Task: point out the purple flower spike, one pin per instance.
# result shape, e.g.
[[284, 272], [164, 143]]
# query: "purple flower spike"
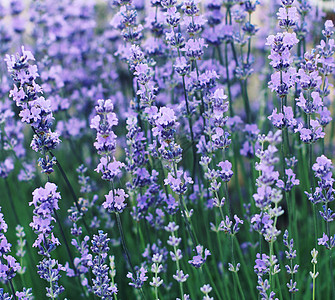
[[141, 277], [102, 287], [49, 270], [35, 109], [115, 201], [45, 201], [199, 259], [226, 173], [8, 264], [179, 183]]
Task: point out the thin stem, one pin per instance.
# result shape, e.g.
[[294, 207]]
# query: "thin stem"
[[231, 110], [178, 269], [124, 246], [279, 285], [202, 106], [310, 155], [185, 215], [271, 267], [330, 265], [236, 170], [245, 266], [12, 288], [245, 96], [271, 251], [65, 241], [156, 289], [71, 190], [233, 260], [315, 226], [11, 201], [239, 286], [332, 134], [189, 117], [123, 242], [114, 294], [212, 282], [229, 200], [314, 281], [249, 43], [292, 278]]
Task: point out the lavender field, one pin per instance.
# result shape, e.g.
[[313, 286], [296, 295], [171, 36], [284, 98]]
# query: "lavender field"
[[167, 149]]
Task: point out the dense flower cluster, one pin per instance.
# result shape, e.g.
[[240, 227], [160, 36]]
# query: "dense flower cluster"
[[45, 201], [324, 194], [267, 199], [35, 109], [217, 120], [101, 283], [106, 145], [8, 264]]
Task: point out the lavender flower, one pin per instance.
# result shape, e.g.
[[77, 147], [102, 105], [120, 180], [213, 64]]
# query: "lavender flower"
[[179, 182], [199, 259], [101, 283], [115, 201], [285, 119], [226, 172], [206, 289], [227, 225], [311, 135], [170, 72], [8, 264], [194, 48], [45, 201], [103, 123], [84, 262], [290, 181], [35, 109], [290, 255], [21, 244], [324, 193], [140, 278], [6, 167], [49, 270], [156, 268], [180, 276]]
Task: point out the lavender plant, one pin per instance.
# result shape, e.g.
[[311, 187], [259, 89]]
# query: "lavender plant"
[[214, 146]]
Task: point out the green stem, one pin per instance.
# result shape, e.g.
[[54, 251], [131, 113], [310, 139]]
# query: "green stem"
[[245, 97], [202, 104], [234, 264], [239, 286], [245, 266], [125, 249], [178, 269], [279, 288], [123, 241], [231, 110], [212, 282], [189, 117], [186, 218], [330, 266], [10, 198], [12, 288], [68, 249], [314, 281], [73, 194]]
